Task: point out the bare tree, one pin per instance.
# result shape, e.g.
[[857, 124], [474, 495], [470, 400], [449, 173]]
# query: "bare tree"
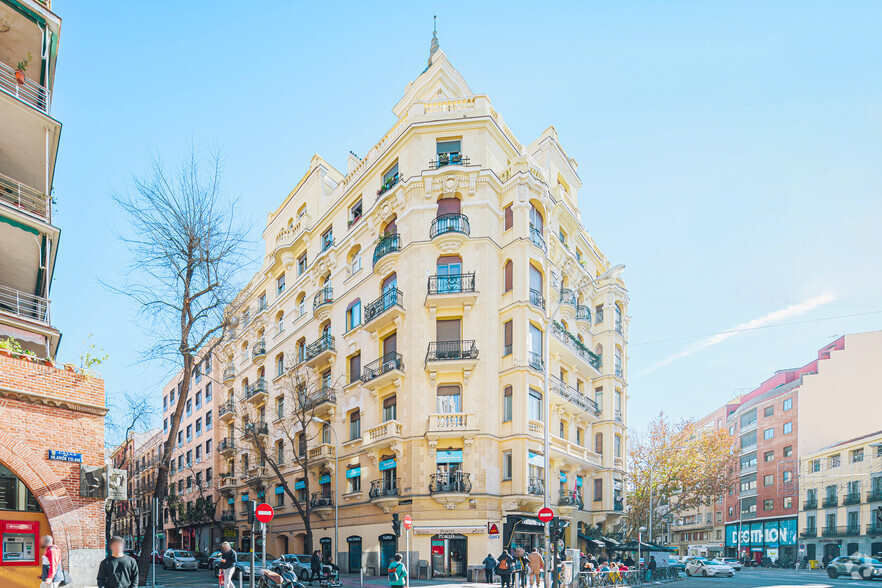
[[186, 251], [298, 424]]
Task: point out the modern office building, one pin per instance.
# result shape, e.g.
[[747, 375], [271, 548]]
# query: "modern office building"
[[190, 513], [39, 474], [418, 284]]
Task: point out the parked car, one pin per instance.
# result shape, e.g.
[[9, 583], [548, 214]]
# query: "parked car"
[[215, 555], [676, 564], [179, 559], [866, 568], [243, 564], [701, 566], [200, 557], [730, 561], [157, 557]]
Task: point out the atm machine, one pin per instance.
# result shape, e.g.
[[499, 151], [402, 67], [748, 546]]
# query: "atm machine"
[[18, 543]]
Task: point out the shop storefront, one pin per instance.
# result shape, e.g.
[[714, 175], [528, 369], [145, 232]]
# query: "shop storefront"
[[775, 540], [388, 549], [449, 555], [353, 543], [522, 531]]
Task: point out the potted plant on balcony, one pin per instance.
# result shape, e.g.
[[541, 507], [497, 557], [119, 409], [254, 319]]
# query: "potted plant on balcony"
[[20, 69]]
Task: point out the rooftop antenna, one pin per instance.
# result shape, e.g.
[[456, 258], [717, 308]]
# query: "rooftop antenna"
[[434, 46]]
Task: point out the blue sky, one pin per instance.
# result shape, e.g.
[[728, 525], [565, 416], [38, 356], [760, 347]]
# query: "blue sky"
[[729, 152]]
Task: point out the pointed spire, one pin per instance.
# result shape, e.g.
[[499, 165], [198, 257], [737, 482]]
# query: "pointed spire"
[[434, 46]]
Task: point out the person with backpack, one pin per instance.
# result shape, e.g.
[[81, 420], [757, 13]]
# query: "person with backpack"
[[489, 566], [503, 568], [397, 571]]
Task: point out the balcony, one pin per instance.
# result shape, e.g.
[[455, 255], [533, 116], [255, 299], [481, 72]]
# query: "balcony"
[[384, 311], [226, 446], [535, 361], [228, 516], [747, 492], [445, 159], [537, 299], [453, 290], [583, 313], [747, 469], [570, 451], [388, 185], [450, 489], [321, 303], [450, 357], [809, 532], [323, 396], [569, 501], [747, 427], [572, 397], [577, 350], [384, 488], [536, 238], [830, 501], [30, 92], [851, 498], [810, 505], [450, 425], [24, 305], [259, 429], [321, 503], [256, 392], [450, 231], [536, 486], [229, 374], [25, 199], [225, 411], [258, 350], [383, 371], [386, 254], [227, 481], [874, 529], [383, 434], [320, 351], [321, 455], [847, 531], [874, 495], [535, 428]]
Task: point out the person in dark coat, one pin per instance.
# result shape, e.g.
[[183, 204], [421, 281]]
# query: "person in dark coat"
[[504, 564], [315, 567], [489, 566], [118, 570]]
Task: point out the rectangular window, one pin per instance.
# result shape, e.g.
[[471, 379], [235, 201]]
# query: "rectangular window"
[[788, 428], [199, 400], [328, 239], [857, 456], [261, 302], [189, 410], [208, 421], [355, 213], [353, 479], [207, 448], [280, 364], [508, 215], [353, 316], [355, 368], [788, 451], [208, 392], [301, 264], [507, 337], [354, 425], [198, 426], [768, 480], [788, 404], [506, 465], [280, 407], [280, 496], [390, 408], [769, 456], [768, 411], [507, 404], [768, 433], [535, 406], [355, 265], [280, 284], [834, 461], [598, 490]]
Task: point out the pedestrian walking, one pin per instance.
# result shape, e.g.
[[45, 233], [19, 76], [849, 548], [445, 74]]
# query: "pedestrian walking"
[[118, 570], [227, 564], [536, 564], [504, 568], [489, 566], [315, 567], [524, 562], [52, 576], [397, 571]]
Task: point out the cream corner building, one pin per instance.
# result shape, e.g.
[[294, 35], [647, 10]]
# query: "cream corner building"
[[418, 284]]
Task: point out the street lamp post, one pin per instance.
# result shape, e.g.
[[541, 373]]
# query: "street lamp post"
[[612, 272], [336, 485]]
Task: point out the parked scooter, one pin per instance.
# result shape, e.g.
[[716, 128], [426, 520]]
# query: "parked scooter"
[[284, 578], [330, 578]]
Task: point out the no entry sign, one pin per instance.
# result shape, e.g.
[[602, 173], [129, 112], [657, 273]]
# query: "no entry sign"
[[408, 521], [546, 514], [264, 513]]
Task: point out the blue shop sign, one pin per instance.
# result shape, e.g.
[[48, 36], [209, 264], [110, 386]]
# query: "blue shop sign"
[[326, 479], [299, 485], [353, 472], [387, 464], [449, 456], [280, 490], [579, 481], [244, 498], [67, 456], [563, 477]]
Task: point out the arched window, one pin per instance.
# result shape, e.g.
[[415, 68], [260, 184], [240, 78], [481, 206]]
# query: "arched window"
[[598, 443], [618, 361], [449, 206], [507, 404], [16, 496], [354, 260], [280, 364], [508, 276], [449, 398], [280, 321], [301, 304], [391, 227], [618, 446]]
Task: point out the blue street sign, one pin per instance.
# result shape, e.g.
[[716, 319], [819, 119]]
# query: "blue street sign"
[[65, 456]]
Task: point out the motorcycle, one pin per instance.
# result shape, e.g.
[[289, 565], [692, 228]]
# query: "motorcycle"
[[283, 578]]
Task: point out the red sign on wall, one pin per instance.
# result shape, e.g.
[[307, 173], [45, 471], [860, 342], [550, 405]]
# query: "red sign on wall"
[[18, 543]]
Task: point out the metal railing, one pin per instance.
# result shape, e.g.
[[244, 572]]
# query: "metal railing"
[[324, 394], [228, 516], [390, 361], [874, 529], [258, 387], [257, 429], [24, 305], [536, 486], [226, 444], [570, 499], [325, 343], [537, 299], [574, 396], [388, 299], [384, 487], [830, 501], [322, 297], [874, 495], [321, 500], [451, 350], [387, 245], [452, 283], [25, 198], [534, 360], [30, 92], [225, 407], [390, 183], [450, 223], [841, 531], [536, 238], [229, 373], [455, 482], [851, 498], [445, 159], [583, 313], [809, 532], [573, 343], [810, 505], [567, 296], [258, 349]]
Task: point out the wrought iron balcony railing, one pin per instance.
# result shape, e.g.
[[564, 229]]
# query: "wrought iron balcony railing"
[[583, 313], [570, 499], [445, 159], [322, 297], [567, 296], [387, 245], [389, 298], [324, 394], [325, 343], [810, 505], [537, 299], [390, 361], [226, 444], [452, 283], [536, 237], [384, 487], [809, 532], [572, 342], [258, 387], [321, 500], [225, 407], [851, 498], [874, 495], [534, 360], [830, 501], [536, 486], [451, 350], [258, 349], [456, 482], [449, 223]]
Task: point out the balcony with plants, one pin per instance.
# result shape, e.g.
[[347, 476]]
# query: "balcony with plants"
[[576, 351], [22, 198]]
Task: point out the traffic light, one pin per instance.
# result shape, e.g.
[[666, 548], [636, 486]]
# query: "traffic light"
[[252, 506], [396, 524], [557, 528]]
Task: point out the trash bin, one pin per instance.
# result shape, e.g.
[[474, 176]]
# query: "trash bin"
[[813, 564], [423, 570], [371, 571]]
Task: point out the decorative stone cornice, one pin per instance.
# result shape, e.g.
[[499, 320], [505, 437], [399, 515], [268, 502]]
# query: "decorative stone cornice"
[[53, 401]]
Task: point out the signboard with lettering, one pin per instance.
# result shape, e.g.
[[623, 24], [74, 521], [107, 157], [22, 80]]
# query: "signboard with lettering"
[[68, 456], [770, 534]]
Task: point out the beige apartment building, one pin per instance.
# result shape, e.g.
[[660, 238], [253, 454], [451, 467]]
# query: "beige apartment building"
[[190, 516], [418, 284], [840, 495], [138, 455]]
